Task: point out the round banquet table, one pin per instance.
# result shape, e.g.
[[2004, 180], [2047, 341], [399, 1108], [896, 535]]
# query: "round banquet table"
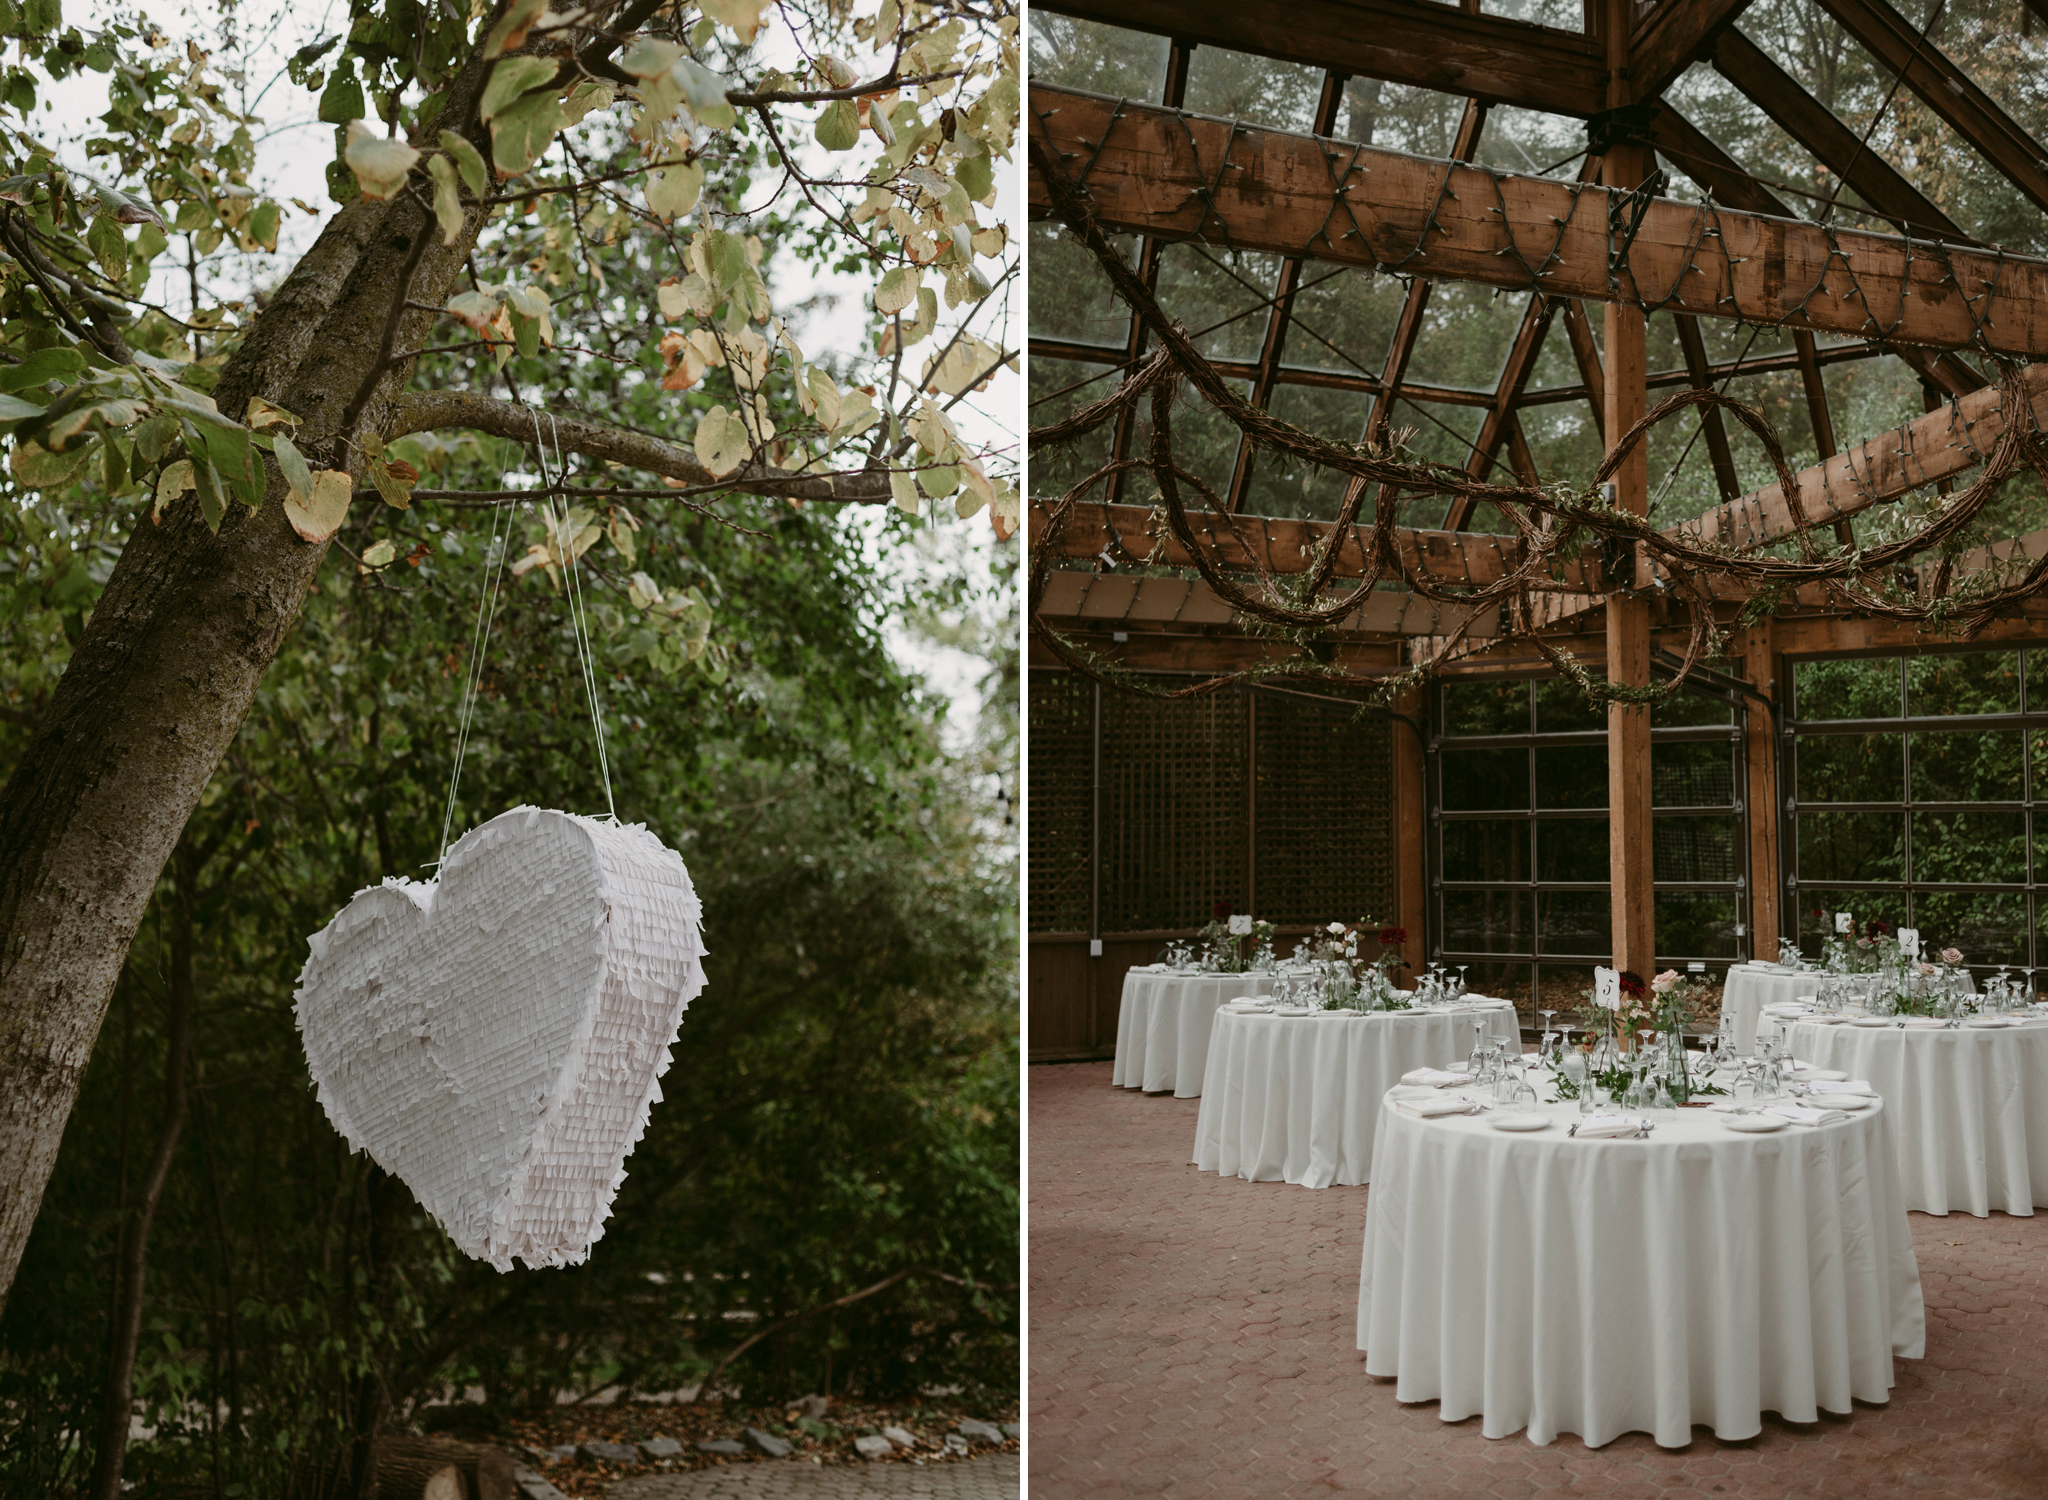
[[1969, 1108], [1296, 1098], [1749, 988], [1162, 1026], [1699, 1277]]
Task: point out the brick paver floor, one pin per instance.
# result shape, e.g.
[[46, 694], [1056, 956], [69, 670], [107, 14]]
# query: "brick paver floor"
[[1192, 1336], [992, 1478]]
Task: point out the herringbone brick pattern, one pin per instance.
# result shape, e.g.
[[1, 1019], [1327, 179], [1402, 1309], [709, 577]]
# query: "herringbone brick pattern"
[[1194, 1337]]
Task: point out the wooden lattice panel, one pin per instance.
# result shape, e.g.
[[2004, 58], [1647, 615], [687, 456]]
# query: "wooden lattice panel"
[[1061, 751], [1173, 809], [1324, 814]]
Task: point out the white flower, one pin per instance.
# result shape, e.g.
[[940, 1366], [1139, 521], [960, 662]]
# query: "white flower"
[[1335, 929]]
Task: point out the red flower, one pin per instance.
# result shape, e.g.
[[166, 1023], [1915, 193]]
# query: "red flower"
[[1392, 935], [1221, 911], [1880, 928], [1632, 985]]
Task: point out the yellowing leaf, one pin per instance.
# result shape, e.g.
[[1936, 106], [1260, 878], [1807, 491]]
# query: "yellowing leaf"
[[447, 199], [649, 57], [975, 490], [722, 442], [704, 94], [671, 298], [968, 365], [512, 78], [317, 514], [904, 493], [584, 98], [468, 161], [674, 191], [380, 164], [1003, 511], [838, 128], [743, 16], [173, 482], [292, 464], [379, 554], [898, 289], [620, 532], [394, 481], [512, 27], [532, 302], [476, 309], [37, 468], [260, 414]]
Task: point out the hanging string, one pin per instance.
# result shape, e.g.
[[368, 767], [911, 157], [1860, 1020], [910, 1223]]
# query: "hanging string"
[[479, 647], [579, 619]]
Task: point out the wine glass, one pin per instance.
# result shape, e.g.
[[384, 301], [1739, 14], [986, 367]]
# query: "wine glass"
[[1463, 991]]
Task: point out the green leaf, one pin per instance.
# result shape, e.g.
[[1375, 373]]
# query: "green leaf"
[[37, 468], [510, 79], [898, 289], [520, 134], [704, 94], [939, 482], [447, 199], [340, 102], [838, 128], [292, 464], [261, 225], [513, 26], [674, 191], [904, 493], [40, 368], [525, 334], [468, 161], [976, 175], [14, 409]]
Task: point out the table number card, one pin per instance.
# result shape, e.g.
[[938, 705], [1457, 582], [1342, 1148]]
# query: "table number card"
[[1241, 926], [1607, 988], [1845, 923], [1909, 941]]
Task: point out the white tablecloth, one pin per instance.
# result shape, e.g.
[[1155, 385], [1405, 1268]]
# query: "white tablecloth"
[[1748, 989], [1162, 1026], [1296, 1098], [1603, 1287], [1969, 1108]]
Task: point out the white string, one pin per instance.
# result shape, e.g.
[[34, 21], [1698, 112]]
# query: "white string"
[[479, 646], [579, 620]]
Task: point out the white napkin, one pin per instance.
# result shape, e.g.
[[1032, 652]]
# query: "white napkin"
[[1435, 1078], [1598, 1127], [1799, 1114], [1247, 1005], [1809, 1073], [1412, 1091], [1844, 1086], [1440, 1105], [1149, 969]]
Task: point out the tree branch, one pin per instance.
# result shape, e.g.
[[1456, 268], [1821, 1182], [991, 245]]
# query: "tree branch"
[[426, 411]]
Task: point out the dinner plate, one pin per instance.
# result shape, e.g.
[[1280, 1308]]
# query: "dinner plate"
[[1755, 1124], [1518, 1121], [1989, 1023], [1868, 1021], [1842, 1101]]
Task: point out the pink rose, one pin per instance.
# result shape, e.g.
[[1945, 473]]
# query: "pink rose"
[[1951, 955]]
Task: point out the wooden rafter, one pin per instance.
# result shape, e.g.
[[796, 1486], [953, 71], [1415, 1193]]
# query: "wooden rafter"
[[1157, 171], [1115, 600], [1665, 42], [1402, 41], [1948, 91], [1283, 309], [1578, 328], [1694, 346]]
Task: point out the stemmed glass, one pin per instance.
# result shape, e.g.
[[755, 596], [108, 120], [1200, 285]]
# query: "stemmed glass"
[[1463, 991]]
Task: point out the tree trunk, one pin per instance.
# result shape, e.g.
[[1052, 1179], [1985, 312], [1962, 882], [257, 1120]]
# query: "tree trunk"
[[117, 1396], [416, 1476], [169, 664]]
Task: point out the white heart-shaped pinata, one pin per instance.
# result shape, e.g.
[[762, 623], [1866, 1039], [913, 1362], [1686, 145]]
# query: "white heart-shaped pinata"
[[492, 1037]]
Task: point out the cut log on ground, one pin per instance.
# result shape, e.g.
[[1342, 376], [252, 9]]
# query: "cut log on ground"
[[477, 1470]]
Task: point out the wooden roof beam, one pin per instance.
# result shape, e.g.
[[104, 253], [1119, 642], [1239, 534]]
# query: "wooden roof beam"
[[1664, 43], [1946, 89], [1158, 171], [1402, 41]]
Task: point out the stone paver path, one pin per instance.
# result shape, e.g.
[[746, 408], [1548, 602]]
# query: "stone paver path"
[[1192, 1336], [991, 1478]]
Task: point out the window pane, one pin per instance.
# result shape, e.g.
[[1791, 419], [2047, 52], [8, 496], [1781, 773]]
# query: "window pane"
[[1851, 767], [1486, 851], [1573, 850], [1699, 773], [1257, 90], [1562, 708], [1692, 849], [1969, 848], [1223, 296], [1986, 684], [1967, 767], [1851, 846], [1572, 776], [1567, 989], [1817, 909], [1683, 708], [1487, 921], [1059, 388], [1576, 922], [1697, 924], [1070, 297], [1478, 779], [1990, 928], [1102, 59], [1846, 689], [1486, 708]]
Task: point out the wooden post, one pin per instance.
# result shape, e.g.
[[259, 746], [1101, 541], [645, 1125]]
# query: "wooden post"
[[1765, 876], [1411, 827], [1626, 399]]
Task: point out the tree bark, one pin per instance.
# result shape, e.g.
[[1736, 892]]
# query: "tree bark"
[[117, 1396], [486, 1471], [169, 663]]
